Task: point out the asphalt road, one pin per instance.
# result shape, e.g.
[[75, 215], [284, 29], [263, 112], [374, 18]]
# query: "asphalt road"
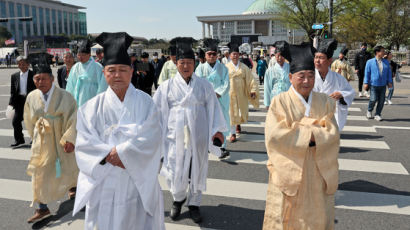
[[374, 186]]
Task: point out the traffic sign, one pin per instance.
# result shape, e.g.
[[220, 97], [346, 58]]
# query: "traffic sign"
[[317, 26]]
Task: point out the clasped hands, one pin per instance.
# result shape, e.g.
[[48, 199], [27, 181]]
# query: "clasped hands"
[[114, 159]]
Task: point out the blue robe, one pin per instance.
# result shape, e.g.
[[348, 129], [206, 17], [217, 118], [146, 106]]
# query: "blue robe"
[[261, 67], [276, 82], [86, 81], [219, 79]]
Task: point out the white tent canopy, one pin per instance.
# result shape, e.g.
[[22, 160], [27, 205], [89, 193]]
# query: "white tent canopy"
[[95, 48], [4, 51]]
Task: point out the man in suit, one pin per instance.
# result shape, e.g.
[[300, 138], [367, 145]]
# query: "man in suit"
[[157, 63], [63, 72], [377, 74], [21, 85]]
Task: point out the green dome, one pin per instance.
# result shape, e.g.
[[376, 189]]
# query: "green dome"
[[261, 7]]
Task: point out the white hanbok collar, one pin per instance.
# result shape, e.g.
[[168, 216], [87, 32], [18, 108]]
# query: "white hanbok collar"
[[49, 95], [307, 104], [215, 66]]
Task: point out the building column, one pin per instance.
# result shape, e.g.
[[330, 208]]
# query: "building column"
[[219, 31], [209, 30], [235, 27], [73, 24], [203, 30], [270, 28], [67, 23], [253, 26], [38, 21], [57, 23]]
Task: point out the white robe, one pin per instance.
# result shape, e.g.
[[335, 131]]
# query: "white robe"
[[117, 198], [335, 82], [191, 115]]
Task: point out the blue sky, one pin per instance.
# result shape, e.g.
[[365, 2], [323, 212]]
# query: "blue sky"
[[155, 18]]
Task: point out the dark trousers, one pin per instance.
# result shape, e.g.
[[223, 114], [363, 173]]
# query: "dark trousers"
[[360, 75], [377, 94], [156, 82], [18, 118]]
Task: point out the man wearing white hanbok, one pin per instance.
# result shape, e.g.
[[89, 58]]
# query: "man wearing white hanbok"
[[192, 122], [217, 74], [332, 83], [118, 162]]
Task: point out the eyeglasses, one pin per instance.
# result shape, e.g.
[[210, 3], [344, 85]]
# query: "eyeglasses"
[[211, 53]]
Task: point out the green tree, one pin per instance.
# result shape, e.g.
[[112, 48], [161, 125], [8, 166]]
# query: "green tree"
[[4, 35]]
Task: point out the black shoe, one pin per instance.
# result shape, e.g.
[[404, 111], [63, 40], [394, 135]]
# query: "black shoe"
[[17, 143], [195, 214], [224, 153], [176, 209]]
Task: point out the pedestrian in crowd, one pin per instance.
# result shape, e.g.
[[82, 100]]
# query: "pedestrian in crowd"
[[200, 58], [302, 142], [246, 60], [272, 61], [226, 59], [332, 83], [50, 115], [394, 69], [169, 69], [157, 63], [56, 60], [360, 63], [219, 57], [119, 164], [86, 78], [277, 77], [342, 66], [8, 60], [143, 77], [99, 54], [377, 75], [21, 85], [63, 72], [243, 88], [261, 69], [192, 121], [217, 74]]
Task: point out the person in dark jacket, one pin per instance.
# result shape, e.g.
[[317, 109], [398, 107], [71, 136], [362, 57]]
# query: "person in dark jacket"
[[63, 72], [21, 85], [157, 64], [360, 63], [143, 76]]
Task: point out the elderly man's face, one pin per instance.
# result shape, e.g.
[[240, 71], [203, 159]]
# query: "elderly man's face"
[[279, 59], [118, 76], [43, 82], [23, 65], [322, 63], [83, 57], [303, 81], [186, 67], [235, 57], [211, 56], [68, 59]]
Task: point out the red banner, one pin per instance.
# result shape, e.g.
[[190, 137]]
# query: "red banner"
[[59, 51]]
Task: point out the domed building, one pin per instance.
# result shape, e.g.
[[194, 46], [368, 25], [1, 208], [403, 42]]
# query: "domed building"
[[257, 23]]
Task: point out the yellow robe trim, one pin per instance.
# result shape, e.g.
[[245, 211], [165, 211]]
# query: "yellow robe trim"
[[302, 178], [49, 132], [242, 84]]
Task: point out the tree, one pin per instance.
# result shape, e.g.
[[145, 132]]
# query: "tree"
[[4, 35]]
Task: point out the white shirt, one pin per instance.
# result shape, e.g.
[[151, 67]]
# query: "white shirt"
[[302, 99], [23, 83], [49, 94], [380, 65]]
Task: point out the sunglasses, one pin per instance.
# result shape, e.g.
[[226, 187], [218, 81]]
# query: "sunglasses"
[[211, 53]]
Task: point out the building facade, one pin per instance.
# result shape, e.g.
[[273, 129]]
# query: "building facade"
[[259, 19], [50, 17]]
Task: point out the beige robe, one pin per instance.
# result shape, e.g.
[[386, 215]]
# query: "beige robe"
[[302, 179], [242, 85], [343, 68], [50, 131]]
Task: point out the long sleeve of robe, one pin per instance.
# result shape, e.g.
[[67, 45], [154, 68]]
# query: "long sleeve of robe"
[[119, 198], [218, 76], [85, 81], [168, 71], [242, 84], [343, 68], [334, 82], [302, 179], [191, 115], [276, 81], [50, 130]]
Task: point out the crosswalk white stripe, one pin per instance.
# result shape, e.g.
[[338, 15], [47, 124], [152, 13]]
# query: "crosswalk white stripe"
[[353, 109], [343, 142], [391, 127], [344, 164], [370, 202], [259, 159], [360, 103]]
